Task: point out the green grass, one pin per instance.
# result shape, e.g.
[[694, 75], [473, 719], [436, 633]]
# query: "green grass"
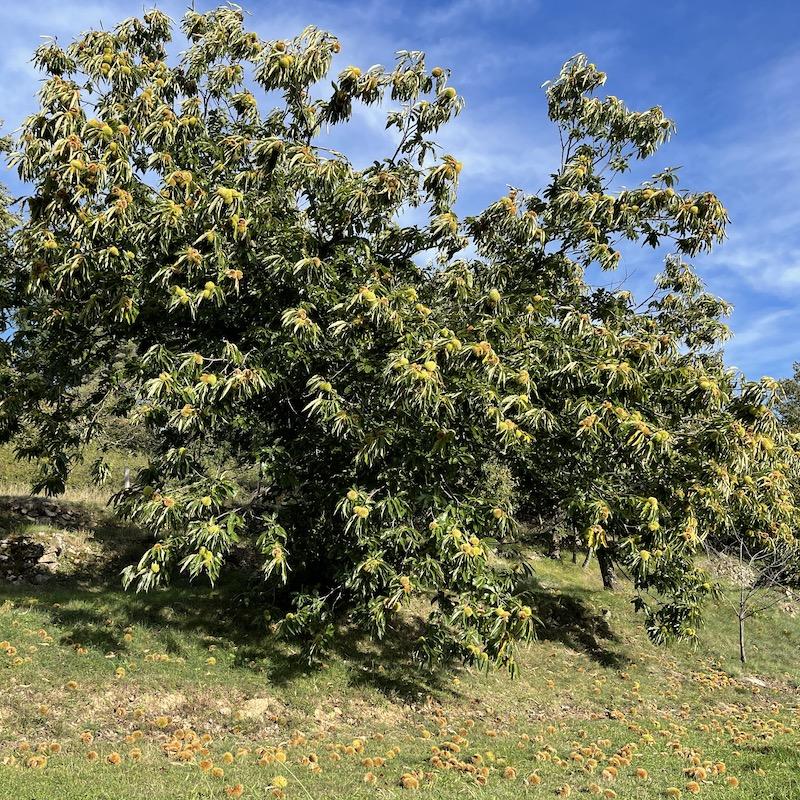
[[22, 473], [148, 668]]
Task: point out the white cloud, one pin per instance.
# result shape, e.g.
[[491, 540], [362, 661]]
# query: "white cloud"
[[456, 11], [755, 163], [766, 344]]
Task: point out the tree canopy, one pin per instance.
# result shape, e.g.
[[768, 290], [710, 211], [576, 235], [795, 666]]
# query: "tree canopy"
[[193, 256], [789, 404]]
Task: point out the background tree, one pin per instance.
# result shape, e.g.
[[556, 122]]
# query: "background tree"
[[789, 405], [765, 569]]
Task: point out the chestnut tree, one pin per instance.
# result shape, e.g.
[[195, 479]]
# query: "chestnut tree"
[[194, 256]]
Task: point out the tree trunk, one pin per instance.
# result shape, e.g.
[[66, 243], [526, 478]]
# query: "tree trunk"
[[742, 614], [554, 551], [606, 568], [260, 478], [587, 559], [742, 652]]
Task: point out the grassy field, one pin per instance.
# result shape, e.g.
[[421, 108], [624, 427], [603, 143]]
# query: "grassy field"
[[16, 476], [115, 696]]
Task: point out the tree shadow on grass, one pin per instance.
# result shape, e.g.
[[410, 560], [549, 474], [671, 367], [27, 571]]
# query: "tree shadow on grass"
[[96, 616], [232, 613], [389, 666], [567, 619], [754, 751]]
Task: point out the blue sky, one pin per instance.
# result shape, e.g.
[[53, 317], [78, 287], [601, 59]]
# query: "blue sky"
[[727, 72]]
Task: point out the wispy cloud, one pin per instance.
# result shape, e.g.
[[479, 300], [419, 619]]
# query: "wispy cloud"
[[755, 165], [458, 11], [766, 342]]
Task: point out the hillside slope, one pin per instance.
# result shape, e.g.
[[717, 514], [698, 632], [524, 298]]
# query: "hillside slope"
[[106, 694]]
